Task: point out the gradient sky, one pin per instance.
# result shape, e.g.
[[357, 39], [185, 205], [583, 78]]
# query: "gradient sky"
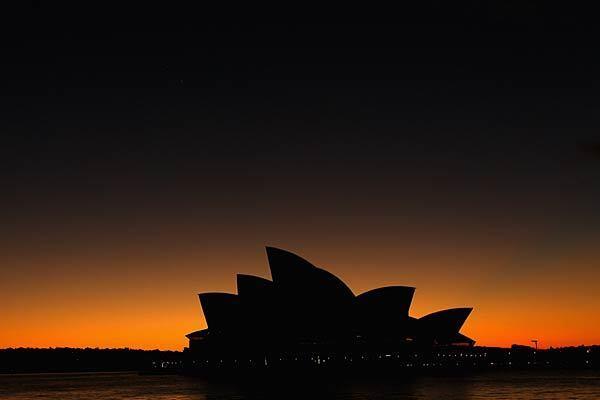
[[142, 164]]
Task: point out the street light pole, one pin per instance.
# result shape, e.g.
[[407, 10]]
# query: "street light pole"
[[535, 341]]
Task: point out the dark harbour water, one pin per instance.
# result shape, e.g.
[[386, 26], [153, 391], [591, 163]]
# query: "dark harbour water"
[[539, 385]]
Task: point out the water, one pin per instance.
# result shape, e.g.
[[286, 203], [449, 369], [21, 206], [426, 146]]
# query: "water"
[[539, 385]]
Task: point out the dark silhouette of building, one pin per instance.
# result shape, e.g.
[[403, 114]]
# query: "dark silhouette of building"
[[308, 315]]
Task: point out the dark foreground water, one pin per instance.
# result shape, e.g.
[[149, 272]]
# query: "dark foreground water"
[[539, 385]]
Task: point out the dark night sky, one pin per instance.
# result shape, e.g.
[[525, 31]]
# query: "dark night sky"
[[464, 140]]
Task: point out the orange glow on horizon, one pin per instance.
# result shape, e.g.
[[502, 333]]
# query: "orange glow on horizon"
[[148, 300]]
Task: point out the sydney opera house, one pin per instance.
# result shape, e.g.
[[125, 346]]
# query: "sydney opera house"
[[307, 314]]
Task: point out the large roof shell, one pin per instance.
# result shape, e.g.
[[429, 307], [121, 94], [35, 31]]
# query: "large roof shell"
[[293, 274], [388, 301], [221, 310], [445, 321]]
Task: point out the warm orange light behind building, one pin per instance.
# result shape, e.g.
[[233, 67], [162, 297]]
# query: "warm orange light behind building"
[[147, 299]]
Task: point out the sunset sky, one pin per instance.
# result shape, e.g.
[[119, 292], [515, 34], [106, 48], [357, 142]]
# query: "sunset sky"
[[141, 165]]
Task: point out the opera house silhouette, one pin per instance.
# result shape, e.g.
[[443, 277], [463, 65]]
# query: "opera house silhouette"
[[307, 314]]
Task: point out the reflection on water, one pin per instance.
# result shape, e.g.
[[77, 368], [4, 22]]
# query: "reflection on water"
[[540, 385]]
